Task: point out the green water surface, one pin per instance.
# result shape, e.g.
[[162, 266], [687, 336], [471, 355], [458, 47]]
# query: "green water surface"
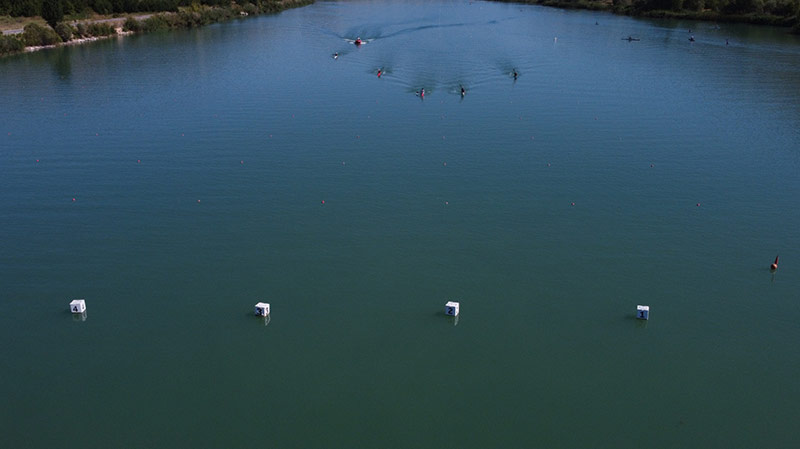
[[608, 174]]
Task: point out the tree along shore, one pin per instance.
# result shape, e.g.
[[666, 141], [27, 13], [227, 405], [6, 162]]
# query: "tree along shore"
[[59, 32], [784, 13]]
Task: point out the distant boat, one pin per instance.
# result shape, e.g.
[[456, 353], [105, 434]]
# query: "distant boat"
[[631, 39]]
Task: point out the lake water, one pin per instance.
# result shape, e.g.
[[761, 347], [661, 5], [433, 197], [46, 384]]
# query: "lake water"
[[174, 180]]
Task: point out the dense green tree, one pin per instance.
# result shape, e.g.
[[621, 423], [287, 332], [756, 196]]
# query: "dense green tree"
[[34, 35], [25, 8], [5, 7], [744, 6], [693, 5], [52, 12], [10, 44], [64, 31], [101, 6]]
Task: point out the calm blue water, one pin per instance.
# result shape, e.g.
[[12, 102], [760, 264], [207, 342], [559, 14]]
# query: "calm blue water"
[[609, 174]]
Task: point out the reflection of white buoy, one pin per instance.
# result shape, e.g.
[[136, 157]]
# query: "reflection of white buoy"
[[643, 312], [451, 308], [262, 309], [77, 306]]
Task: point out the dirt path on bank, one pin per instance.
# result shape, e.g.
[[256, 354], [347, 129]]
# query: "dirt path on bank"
[[116, 22]]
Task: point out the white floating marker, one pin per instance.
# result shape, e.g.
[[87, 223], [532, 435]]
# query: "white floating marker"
[[77, 306], [643, 312], [262, 309], [451, 308]]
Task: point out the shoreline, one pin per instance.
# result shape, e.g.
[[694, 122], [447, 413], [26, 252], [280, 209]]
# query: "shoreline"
[[190, 17], [81, 40], [792, 23]]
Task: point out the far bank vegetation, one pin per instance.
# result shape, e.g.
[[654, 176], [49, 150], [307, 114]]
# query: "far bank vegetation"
[[68, 20], [784, 13]]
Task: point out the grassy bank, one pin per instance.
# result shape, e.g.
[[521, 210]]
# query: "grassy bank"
[[37, 34], [783, 13]]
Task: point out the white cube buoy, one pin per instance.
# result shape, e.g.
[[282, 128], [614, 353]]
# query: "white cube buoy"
[[262, 309], [77, 306], [643, 312], [451, 308]]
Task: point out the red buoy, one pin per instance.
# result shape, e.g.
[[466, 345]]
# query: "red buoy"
[[774, 265]]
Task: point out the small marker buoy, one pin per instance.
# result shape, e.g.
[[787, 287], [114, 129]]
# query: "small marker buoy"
[[77, 306], [446, 203], [573, 204], [73, 199], [138, 161], [548, 164], [323, 201], [651, 165], [698, 204], [262, 309], [444, 163], [774, 265], [37, 160], [198, 201], [241, 162]]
